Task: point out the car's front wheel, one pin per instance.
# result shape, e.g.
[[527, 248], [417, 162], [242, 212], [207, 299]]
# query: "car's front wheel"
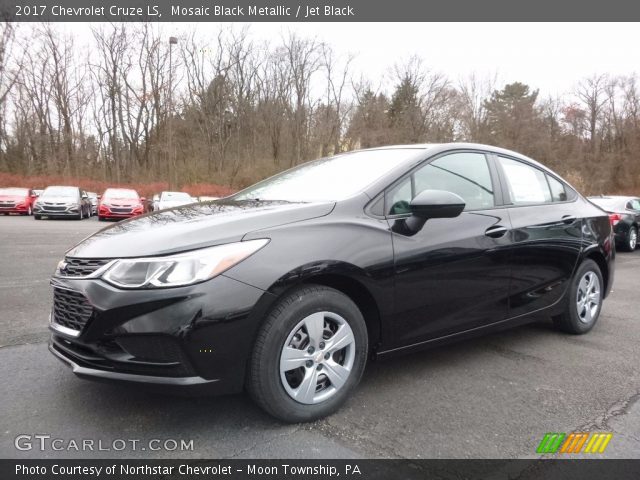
[[309, 354], [584, 300]]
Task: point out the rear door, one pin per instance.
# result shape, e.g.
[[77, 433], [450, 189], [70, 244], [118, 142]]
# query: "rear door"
[[546, 234], [453, 274]]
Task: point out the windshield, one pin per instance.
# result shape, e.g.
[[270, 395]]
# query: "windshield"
[[609, 203], [18, 192], [120, 193], [328, 179], [70, 192], [175, 196]]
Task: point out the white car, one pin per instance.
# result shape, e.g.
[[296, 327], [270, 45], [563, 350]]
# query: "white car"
[[174, 199]]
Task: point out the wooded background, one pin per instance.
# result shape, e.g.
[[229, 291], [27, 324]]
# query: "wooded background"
[[241, 110]]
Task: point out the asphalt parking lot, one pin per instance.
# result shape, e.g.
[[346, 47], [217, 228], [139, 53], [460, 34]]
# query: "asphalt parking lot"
[[492, 397]]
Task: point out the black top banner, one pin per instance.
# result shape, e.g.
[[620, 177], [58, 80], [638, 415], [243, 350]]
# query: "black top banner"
[[317, 11]]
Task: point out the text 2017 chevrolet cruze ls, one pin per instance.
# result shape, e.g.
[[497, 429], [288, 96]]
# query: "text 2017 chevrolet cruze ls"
[[288, 287]]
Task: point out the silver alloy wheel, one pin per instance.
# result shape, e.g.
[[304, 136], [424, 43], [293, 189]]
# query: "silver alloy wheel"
[[588, 298], [317, 357], [633, 239]]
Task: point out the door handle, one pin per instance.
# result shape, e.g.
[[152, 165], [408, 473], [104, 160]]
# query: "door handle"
[[568, 219], [496, 231]]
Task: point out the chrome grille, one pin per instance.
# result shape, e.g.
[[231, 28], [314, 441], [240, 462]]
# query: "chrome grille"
[[71, 309], [120, 210], [81, 267], [7, 204]]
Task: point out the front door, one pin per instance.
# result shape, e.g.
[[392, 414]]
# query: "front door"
[[453, 274]]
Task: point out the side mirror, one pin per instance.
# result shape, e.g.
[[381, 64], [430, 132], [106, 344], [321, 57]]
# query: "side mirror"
[[99, 197], [429, 204], [143, 199], [436, 204]]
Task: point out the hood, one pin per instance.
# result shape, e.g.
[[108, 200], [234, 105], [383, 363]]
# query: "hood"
[[12, 198], [126, 201], [192, 226], [58, 199]]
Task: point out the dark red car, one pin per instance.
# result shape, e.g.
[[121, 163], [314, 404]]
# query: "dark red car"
[[17, 200], [118, 203]]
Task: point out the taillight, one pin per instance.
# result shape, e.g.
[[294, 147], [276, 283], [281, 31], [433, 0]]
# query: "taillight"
[[614, 218]]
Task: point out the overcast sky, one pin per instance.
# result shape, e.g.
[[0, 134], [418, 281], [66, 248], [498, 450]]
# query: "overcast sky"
[[548, 56]]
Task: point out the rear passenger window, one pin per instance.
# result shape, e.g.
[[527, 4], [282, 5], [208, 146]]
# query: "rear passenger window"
[[634, 204], [558, 192], [526, 184]]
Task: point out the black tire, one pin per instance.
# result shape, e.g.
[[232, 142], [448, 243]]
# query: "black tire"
[[101, 219], [571, 320], [264, 378], [631, 241], [37, 217]]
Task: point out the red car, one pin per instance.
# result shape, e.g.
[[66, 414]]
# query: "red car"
[[17, 200], [120, 203]]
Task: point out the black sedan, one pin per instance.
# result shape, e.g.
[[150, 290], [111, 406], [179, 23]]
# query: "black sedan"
[[288, 287], [624, 213]]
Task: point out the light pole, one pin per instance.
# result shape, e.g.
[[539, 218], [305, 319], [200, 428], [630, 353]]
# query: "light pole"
[[172, 173]]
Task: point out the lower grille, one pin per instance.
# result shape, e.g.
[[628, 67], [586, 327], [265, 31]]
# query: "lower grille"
[[7, 205], [81, 267], [121, 210], [71, 309], [51, 208]]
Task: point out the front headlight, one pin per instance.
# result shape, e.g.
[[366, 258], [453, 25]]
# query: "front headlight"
[[181, 269]]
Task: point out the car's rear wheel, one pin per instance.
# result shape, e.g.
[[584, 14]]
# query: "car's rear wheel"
[[584, 300], [309, 354], [632, 240]]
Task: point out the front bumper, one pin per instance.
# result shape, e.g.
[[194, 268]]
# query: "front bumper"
[[67, 211], [119, 212], [22, 209], [196, 338], [191, 383]]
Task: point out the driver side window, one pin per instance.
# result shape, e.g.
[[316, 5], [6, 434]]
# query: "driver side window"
[[465, 174]]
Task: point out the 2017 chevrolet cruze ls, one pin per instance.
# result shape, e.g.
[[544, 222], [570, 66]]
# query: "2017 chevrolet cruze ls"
[[288, 287]]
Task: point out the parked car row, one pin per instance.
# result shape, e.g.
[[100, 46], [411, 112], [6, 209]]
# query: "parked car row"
[[624, 215], [70, 201]]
